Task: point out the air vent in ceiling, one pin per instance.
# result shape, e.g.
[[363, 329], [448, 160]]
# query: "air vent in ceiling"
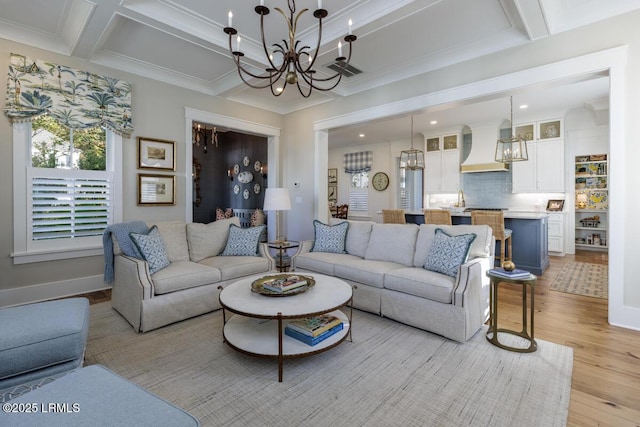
[[349, 70]]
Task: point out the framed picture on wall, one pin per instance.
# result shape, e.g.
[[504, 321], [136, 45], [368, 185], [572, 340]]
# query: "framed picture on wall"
[[333, 176], [156, 154], [156, 190]]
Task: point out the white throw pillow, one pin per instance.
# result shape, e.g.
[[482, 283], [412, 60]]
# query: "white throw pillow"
[[208, 240]]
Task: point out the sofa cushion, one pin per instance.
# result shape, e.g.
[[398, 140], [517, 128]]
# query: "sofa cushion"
[[357, 237], [237, 266], [330, 238], [481, 246], [151, 246], [243, 241], [365, 271], [174, 235], [40, 335], [207, 240], [183, 275], [421, 283], [321, 262], [447, 252], [393, 242]]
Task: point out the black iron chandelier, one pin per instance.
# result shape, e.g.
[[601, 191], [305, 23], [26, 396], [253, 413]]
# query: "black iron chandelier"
[[297, 61]]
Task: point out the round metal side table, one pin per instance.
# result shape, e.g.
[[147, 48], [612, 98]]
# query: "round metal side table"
[[493, 331]]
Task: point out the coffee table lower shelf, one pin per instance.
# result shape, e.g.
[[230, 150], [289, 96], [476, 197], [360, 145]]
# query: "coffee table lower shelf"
[[257, 337]]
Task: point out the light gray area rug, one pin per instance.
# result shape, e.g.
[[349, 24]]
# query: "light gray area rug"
[[390, 375], [583, 278]]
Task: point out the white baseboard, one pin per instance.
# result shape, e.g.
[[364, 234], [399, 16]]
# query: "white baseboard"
[[51, 290]]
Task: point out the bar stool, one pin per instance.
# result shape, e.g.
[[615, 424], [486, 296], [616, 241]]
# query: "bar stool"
[[393, 216], [495, 220], [437, 216]]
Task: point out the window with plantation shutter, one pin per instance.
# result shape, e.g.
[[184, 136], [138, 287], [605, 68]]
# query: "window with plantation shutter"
[[68, 191], [67, 207]]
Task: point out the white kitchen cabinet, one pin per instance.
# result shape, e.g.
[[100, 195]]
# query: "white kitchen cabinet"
[[556, 232], [544, 171], [442, 164]]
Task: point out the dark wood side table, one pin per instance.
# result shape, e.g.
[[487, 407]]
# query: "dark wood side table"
[[281, 247], [493, 331]]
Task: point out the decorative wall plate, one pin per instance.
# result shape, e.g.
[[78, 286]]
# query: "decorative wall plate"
[[257, 188], [236, 189], [246, 194], [246, 161], [236, 169], [245, 177], [257, 166]]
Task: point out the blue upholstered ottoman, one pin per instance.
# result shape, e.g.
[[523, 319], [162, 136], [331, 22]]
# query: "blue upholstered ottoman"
[[92, 396], [42, 340]]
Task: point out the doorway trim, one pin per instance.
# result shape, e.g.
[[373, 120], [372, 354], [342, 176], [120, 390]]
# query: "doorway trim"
[[273, 150]]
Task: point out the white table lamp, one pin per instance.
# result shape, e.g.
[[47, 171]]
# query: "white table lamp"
[[277, 199]]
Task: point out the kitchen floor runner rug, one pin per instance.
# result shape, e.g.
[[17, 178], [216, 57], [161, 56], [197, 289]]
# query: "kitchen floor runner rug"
[[583, 278]]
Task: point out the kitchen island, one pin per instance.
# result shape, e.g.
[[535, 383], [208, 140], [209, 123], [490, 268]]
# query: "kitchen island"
[[529, 239]]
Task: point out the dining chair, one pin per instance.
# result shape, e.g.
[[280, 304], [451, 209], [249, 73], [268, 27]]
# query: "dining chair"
[[495, 220], [342, 211], [437, 216], [393, 216]]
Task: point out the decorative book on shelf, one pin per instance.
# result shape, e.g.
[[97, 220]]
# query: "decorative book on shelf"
[[313, 340], [284, 284], [513, 274], [314, 326]]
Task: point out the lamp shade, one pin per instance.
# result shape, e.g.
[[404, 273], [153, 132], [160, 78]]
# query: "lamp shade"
[[277, 199], [582, 200]]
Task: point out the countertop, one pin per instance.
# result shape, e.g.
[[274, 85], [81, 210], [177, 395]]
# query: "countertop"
[[507, 214]]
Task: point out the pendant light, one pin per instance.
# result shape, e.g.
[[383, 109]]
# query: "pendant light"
[[412, 159], [513, 149]]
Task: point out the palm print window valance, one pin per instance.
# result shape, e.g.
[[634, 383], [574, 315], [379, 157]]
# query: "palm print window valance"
[[77, 99]]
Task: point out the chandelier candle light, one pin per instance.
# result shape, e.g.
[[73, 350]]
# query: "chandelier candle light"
[[297, 62]]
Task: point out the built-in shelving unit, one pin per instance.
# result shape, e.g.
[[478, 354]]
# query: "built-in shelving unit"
[[592, 201]]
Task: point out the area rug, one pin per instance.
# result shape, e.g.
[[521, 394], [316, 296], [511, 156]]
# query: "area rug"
[[390, 375], [583, 278]]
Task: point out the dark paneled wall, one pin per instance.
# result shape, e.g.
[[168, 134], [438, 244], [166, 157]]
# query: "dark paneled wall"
[[216, 190]]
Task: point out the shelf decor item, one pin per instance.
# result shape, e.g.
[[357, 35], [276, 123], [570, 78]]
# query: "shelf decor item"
[[555, 205]]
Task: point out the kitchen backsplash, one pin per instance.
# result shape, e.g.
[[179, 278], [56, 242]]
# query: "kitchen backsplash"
[[493, 190]]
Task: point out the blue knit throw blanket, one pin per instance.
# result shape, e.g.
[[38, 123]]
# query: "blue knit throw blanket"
[[121, 231]]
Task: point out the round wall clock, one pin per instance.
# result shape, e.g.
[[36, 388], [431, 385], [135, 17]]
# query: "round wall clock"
[[380, 181]]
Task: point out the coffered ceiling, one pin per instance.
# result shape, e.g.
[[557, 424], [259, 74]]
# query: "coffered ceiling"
[[183, 43]]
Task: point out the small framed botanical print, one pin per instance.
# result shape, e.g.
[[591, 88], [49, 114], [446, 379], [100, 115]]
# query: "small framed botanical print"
[[156, 190], [156, 154]]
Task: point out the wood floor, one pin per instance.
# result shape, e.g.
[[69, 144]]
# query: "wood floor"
[[606, 371]]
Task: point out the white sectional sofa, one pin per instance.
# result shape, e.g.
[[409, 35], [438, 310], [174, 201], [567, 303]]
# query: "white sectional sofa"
[[386, 263], [188, 286]]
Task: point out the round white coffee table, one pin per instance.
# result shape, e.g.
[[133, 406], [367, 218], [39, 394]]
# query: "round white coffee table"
[[244, 332]]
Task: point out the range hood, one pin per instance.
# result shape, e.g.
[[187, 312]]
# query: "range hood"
[[483, 150]]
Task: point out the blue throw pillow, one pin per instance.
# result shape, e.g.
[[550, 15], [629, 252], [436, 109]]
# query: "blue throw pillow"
[[151, 246], [447, 252], [243, 241], [330, 238]]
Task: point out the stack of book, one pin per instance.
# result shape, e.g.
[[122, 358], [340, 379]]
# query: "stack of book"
[[284, 284], [510, 274], [312, 330]]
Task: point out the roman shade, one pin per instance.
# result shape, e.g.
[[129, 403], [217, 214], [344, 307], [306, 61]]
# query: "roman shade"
[[77, 99], [358, 162]]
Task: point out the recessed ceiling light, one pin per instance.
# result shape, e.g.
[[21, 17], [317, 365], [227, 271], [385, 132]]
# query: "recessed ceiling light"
[[279, 89], [523, 106], [361, 135], [434, 122]]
